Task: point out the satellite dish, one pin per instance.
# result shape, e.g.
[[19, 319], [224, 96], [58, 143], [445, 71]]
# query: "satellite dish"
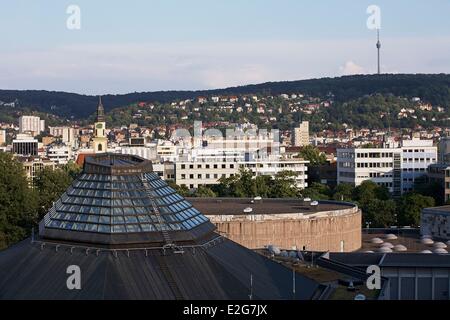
[[248, 210]]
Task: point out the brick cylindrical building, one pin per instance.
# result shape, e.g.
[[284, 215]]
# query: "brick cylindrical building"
[[286, 223]]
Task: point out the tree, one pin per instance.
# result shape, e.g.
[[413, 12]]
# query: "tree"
[[430, 189], [245, 185], [182, 190], [72, 169], [343, 192], [380, 213], [410, 207], [18, 202], [313, 155], [369, 190], [51, 184], [284, 185], [204, 192], [317, 191]]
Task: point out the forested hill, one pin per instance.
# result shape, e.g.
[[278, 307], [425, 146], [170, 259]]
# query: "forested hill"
[[433, 88]]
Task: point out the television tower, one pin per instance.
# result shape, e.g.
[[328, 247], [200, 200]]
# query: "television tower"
[[378, 49]]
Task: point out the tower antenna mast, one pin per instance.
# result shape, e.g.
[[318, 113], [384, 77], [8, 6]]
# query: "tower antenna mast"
[[378, 49]]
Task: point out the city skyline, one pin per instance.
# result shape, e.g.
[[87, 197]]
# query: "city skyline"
[[173, 45]]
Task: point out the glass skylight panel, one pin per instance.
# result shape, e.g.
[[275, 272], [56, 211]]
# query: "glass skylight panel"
[[94, 210], [55, 224], [143, 218], [105, 211], [117, 211], [105, 220], [133, 228], [118, 220], [147, 227], [131, 219], [103, 228], [93, 218], [118, 228]]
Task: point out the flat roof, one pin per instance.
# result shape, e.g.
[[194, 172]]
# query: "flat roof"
[[443, 209], [236, 206]]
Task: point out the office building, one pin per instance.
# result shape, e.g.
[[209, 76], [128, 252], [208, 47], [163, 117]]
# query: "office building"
[[395, 167], [25, 145], [193, 174]]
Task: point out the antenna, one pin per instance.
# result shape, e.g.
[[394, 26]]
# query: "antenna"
[[378, 50]]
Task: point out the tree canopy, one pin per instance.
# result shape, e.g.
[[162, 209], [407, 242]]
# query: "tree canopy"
[[18, 202]]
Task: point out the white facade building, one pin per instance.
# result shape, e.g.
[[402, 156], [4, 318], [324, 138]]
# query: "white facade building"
[[31, 124], [301, 134], [395, 167], [196, 173], [67, 134], [59, 154]]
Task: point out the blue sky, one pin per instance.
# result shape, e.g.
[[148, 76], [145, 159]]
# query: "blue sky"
[[148, 45]]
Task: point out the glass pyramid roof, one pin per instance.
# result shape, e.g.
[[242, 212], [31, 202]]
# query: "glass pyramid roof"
[[118, 194]]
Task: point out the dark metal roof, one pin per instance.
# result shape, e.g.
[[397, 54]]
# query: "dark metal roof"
[[412, 260], [219, 271], [397, 259]]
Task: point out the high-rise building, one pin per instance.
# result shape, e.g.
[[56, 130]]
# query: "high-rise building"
[[301, 134], [31, 124], [67, 134], [100, 142]]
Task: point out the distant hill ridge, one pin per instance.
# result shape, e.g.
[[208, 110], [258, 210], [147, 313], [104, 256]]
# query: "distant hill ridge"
[[433, 88]]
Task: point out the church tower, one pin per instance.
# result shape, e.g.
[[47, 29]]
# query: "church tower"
[[99, 140]]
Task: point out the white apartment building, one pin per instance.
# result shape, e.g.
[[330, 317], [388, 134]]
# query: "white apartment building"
[[31, 124], [395, 167], [147, 152], [59, 154], [196, 173], [67, 134], [301, 134]]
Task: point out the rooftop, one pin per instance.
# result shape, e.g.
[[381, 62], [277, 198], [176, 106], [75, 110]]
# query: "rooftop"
[[119, 200], [236, 206]]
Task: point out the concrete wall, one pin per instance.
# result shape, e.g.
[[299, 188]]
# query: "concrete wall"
[[336, 231]]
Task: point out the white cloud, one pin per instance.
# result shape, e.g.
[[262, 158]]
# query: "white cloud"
[[350, 68]]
